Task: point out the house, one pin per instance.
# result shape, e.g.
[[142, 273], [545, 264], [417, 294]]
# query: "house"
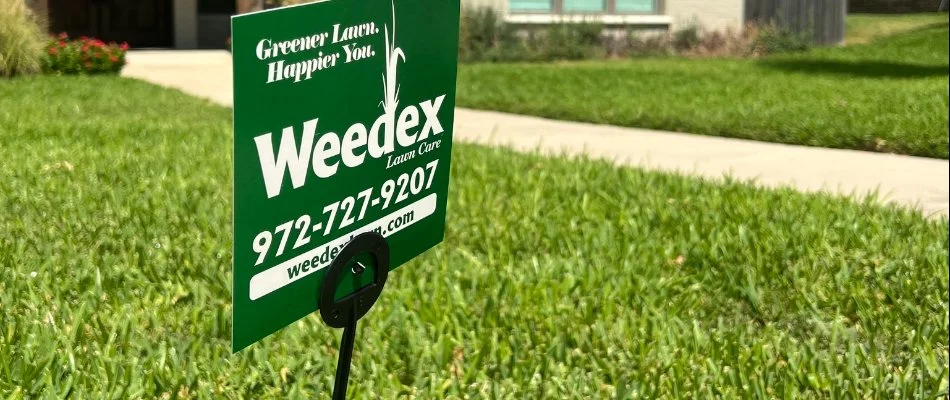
[[667, 15], [189, 24], [822, 19], [185, 24]]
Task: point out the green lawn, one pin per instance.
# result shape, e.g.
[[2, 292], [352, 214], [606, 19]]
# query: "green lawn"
[[862, 28], [566, 279], [889, 95]]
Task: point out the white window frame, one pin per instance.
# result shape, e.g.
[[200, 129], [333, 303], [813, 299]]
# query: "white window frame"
[[557, 8]]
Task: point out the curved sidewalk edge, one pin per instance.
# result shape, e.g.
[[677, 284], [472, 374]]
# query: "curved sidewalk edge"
[[911, 181]]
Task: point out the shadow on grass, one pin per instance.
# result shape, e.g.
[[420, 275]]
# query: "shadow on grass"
[[866, 69]]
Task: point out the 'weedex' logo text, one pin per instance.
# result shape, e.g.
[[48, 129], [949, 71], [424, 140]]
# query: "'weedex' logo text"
[[325, 156]]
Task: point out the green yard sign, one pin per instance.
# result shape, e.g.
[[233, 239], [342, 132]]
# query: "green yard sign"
[[343, 120]]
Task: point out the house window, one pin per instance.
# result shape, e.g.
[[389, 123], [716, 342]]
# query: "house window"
[[580, 6], [584, 6], [635, 6], [530, 5]]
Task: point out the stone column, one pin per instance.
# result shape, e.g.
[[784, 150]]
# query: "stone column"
[[185, 23]]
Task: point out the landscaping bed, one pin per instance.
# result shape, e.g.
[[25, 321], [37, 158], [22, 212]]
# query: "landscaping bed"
[[559, 278], [25, 47]]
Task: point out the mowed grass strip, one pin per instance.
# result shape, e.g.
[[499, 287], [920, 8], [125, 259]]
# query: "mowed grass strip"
[[890, 95], [559, 278], [863, 28]]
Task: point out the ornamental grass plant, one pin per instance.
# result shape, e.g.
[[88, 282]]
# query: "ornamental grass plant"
[[21, 39]]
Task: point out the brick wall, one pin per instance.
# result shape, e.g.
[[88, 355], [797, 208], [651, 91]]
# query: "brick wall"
[[892, 6]]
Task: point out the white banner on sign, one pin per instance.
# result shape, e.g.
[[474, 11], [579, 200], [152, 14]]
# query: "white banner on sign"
[[320, 257]]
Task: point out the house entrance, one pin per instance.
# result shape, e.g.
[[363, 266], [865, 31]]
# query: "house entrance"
[[141, 23]]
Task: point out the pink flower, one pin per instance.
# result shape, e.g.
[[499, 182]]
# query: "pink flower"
[[113, 58], [124, 46], [52, 50], [63, 36]]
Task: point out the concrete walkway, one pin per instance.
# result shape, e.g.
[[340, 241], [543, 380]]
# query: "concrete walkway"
[[912, 181]]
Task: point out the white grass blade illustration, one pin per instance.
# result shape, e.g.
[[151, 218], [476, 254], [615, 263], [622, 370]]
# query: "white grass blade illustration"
[[393, 55]]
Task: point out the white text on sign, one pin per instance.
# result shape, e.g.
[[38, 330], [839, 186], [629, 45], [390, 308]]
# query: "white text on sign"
[[344, 213], [316, 259], [330, 150]]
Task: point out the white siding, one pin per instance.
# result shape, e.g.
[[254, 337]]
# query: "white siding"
[[708, 14]]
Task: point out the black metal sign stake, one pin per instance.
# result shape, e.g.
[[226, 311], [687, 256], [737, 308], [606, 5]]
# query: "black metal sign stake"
[[345, 312]]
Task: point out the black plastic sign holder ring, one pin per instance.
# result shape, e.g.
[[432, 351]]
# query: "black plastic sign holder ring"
[[345, 312]]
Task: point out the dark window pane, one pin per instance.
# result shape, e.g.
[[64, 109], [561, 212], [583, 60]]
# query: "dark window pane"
[[217, 6]]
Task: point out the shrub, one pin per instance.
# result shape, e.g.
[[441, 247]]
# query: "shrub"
[[647, 45], [21, 39], [483, 35], [686, 38], [773, 39], [572, 41], [83, 56], [727, 43]]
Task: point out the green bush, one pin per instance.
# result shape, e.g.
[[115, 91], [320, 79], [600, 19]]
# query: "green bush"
[[775, 39], [572, 41], [483, 35], [21, 39], [725, 43], [687, 38], [645, 45], [83, 56]]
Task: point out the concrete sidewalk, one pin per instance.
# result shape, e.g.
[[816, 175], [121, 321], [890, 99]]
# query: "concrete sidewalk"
[[912, 181]]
